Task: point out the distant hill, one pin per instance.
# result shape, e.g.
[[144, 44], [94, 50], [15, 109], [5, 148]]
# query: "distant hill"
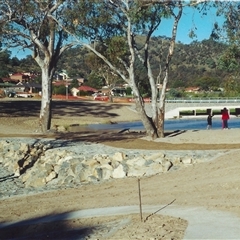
[[190, 62]]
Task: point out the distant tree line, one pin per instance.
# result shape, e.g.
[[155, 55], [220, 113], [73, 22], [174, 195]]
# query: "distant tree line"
[[195, 64]]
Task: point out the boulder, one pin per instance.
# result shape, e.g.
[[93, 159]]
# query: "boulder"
[[155, 156], [187, 160], [139, 161], [51, 176], [119, 156], [119, 172]]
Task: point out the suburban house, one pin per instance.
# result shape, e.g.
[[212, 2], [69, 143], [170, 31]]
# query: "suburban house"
[[87, 89], [28, 87], [19, 77], [61, 83]]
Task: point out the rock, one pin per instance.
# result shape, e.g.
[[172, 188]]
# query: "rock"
[[187, 160], [176, 161], [139, 161], [92, 163], [85, 174], [50, 177], [154, 169], [105, 171], [119, 172], [100, 157], [35, 182], [155, 156], [68, 180], [24, 147], [114, 164], [136, 171], [119, 156], [166, 165]]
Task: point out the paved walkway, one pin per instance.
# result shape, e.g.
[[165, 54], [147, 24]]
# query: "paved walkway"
[[202, 223]]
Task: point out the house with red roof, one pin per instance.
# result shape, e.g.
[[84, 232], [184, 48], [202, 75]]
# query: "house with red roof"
[[87, 89], [19, 77]]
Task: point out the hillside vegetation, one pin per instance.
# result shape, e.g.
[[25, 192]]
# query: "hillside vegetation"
[[191, 63], [190, 66]]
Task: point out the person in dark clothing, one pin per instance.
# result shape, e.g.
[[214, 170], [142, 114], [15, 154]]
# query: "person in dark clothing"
[[209, 121]]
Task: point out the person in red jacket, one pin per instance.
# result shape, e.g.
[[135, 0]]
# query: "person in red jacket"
[[225, 118]]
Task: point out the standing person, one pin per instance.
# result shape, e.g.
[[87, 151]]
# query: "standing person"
[[209, 121], [225, 118]]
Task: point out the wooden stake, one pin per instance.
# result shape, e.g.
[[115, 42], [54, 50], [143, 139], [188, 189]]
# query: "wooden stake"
[[140, 200]]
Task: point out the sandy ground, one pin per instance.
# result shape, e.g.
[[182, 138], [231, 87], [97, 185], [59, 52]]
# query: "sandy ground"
[[213, 185]]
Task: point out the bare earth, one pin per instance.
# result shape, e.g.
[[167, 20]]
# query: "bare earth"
[[213, 185]]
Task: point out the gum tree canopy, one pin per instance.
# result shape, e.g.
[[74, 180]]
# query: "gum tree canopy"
[[120, 32], [117, 31], [31, 24]]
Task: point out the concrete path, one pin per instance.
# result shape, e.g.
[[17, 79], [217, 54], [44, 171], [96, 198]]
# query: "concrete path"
[[202, 224]]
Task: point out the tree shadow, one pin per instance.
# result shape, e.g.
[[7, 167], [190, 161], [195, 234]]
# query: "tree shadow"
[[7, 178], [175, 133], [30, 108], [52, 226], [19, 108], [70, 138]]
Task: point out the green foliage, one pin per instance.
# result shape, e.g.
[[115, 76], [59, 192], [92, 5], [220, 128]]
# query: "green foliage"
[[94, 20], [232, 86], [207, 83], [59, 90], [74, 84], [95, 81], [175, 93], [82, 93], [74, 60], [128, 91], [117, 49], [4, 63], [230, 59]]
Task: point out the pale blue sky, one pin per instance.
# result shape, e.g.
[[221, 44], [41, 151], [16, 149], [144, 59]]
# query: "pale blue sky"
[[20, 53], [190, 19]]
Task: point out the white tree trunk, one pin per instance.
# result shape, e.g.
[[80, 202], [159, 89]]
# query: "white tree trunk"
[[46, 104], [146, 120], [161, 117]]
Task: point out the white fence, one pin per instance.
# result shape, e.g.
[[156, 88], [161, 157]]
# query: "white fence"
[[203, 100]]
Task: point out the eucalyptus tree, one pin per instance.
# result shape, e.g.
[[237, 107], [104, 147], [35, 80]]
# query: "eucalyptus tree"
[[112, 29], [229, 34], [172, 10], [101, 71], [32, 24], [5, 60]]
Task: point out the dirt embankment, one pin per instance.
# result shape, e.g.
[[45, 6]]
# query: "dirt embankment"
[[213, 185]]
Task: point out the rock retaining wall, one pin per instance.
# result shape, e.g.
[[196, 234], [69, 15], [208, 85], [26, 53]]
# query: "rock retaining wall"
[[40, 163]]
